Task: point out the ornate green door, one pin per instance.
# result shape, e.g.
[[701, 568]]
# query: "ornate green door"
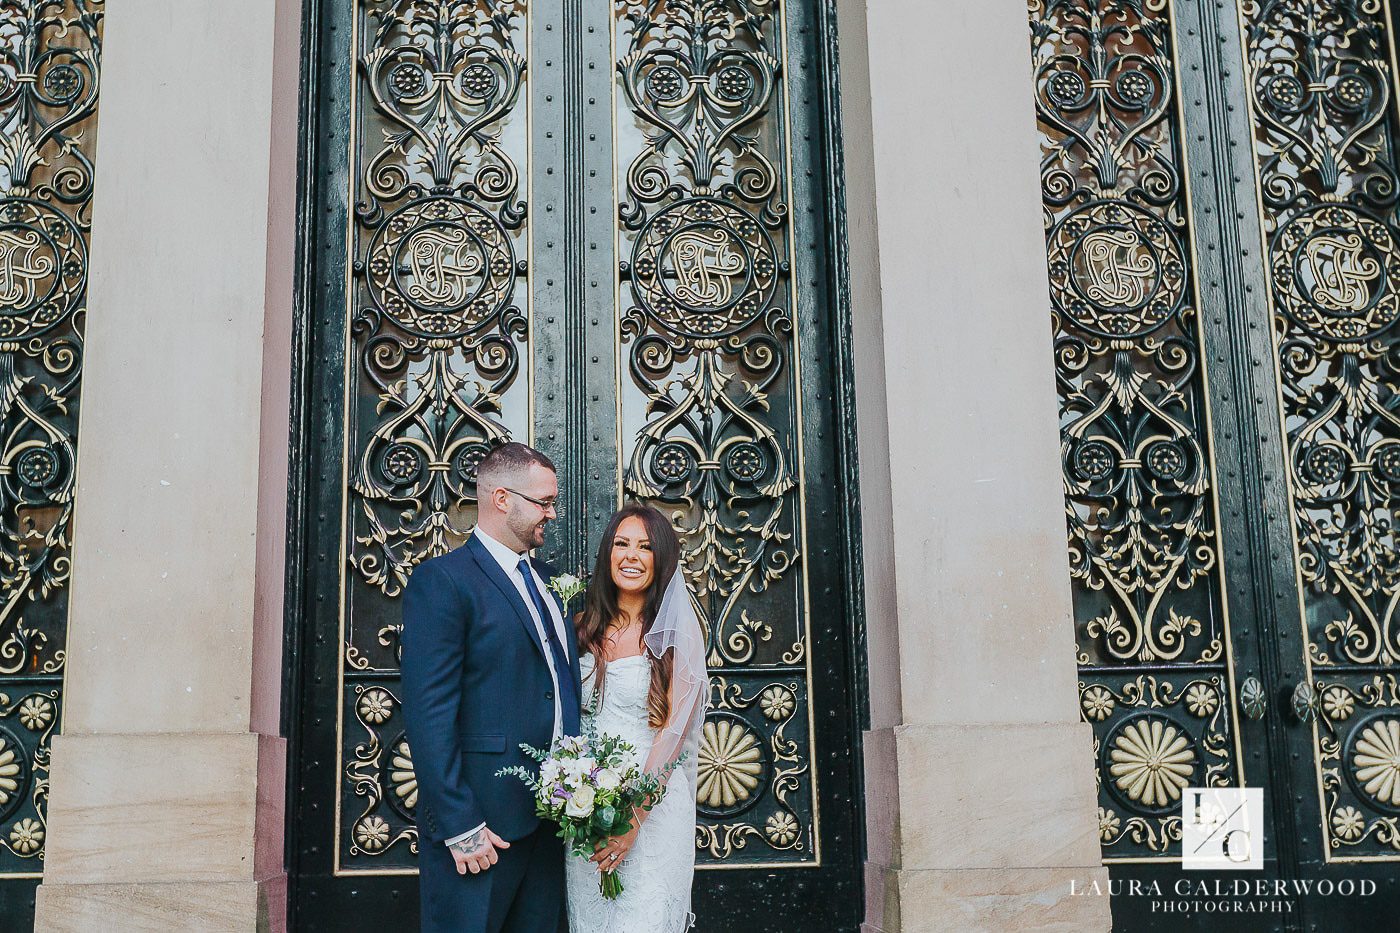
[[1221, 200], [50, 55], [602, 229]]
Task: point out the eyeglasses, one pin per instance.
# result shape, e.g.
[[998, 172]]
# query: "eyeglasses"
[[549, 505]]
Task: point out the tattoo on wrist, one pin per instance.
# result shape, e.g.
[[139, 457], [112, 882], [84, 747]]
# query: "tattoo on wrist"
[[474, 844]]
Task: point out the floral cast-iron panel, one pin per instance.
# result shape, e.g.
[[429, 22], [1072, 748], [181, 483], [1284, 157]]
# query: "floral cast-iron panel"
[[710, 416], [1156, 681], [436, 362], [49, 63], [1322, 82]]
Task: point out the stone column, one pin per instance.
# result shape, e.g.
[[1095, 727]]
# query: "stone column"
[[980, 788], [169, 778]]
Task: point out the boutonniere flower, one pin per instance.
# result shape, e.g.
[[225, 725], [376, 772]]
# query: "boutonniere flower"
[[566, 586]]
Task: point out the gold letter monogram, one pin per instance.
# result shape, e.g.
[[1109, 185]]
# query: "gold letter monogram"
[[705, 260]]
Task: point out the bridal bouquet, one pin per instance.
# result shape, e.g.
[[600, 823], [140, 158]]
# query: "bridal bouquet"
[[591, 785]]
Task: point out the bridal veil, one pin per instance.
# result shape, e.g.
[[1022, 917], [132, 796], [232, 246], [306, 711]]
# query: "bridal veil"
[[677, 628]]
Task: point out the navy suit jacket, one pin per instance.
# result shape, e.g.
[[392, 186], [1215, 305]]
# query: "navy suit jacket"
[[475, 686]]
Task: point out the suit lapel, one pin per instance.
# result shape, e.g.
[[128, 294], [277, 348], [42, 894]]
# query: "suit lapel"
[[509, 593], [570, 642]]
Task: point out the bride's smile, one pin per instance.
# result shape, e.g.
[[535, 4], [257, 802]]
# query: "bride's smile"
[[632, 558]]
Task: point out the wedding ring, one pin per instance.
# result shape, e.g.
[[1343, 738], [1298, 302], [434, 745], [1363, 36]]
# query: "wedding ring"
[[613, 857]]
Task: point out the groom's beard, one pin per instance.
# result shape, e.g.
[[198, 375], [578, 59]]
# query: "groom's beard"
[[529, 536]]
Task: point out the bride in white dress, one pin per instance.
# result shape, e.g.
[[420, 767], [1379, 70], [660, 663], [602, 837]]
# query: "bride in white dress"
[[643, 664]]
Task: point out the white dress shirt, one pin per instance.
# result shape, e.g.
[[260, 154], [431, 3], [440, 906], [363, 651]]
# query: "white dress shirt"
[[510, 563]]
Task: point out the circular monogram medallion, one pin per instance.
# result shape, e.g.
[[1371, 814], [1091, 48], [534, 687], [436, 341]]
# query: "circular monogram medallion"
[[1337, 273], [704, 268], [441, 267], [1116, 269], [43, 266]]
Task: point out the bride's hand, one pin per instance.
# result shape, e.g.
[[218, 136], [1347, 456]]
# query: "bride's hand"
[[609, 855]]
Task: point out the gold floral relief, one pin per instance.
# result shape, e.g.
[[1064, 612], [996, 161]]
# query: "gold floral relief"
[[1358, 748], [1322, 100], [1135, 448]]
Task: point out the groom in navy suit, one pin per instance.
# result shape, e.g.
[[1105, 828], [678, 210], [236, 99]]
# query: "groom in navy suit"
[[489, 662]]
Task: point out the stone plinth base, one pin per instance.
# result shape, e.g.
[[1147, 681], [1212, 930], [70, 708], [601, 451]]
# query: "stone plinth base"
[[1000, 899], [165, 831], [216, 907], [982, 827]]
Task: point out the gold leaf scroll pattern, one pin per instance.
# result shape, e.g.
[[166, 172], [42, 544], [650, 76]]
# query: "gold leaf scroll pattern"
[[444, 74], [1137, 493], [739, 768], [1358, 747], [705, 446], [710, 345], [27, 722], [1138, 485], [1137, 474], [421, 459], [50, 54], [1152, 740], [437, 337], [381, 771], [701, 75], [1104, 96], [38, 393], [1343, 417], [49, 63], [732, 764], [1320, 89], [1321, 83], [1322, 106]]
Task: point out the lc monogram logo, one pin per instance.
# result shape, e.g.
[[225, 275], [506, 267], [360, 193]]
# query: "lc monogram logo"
[[444, 261], [1342, 273], [705, 261]]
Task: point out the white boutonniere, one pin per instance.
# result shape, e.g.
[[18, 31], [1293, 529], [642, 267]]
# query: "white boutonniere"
[[566, 586]]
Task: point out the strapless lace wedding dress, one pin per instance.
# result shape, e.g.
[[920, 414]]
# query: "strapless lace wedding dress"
[[657, 873]]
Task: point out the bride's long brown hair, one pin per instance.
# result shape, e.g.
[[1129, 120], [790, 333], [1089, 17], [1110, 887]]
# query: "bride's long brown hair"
[[600, 606]]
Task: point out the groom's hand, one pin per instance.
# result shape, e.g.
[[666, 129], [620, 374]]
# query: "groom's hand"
[[477, 852]]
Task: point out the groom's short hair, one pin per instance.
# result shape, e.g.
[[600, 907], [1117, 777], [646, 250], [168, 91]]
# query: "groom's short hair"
[[507, 464]]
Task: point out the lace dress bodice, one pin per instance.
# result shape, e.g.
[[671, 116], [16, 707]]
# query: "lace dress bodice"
[[622, 709], [657, 873]]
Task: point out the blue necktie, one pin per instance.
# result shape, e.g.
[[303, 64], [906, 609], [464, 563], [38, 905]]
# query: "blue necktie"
[[568, 697]]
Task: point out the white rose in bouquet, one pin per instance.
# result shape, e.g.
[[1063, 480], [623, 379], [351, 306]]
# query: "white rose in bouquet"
[[608, 779], [581, 803], [574, 771]]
